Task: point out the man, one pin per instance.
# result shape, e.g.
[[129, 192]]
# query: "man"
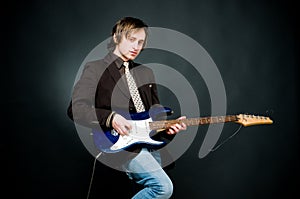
[[103, 90]]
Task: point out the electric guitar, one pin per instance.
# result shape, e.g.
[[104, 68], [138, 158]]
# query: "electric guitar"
[[144, 127]]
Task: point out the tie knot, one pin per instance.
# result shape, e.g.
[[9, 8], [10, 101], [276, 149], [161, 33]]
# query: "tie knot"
[[126, 64]]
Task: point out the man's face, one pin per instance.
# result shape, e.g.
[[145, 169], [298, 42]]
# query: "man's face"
[[129, 48]]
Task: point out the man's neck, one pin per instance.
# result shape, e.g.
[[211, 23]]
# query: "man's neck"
[[119, 55]]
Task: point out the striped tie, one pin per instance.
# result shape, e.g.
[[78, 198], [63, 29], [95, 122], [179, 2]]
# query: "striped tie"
[[133, 90]]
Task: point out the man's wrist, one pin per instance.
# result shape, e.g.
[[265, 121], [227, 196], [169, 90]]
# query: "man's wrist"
[[109, 119]]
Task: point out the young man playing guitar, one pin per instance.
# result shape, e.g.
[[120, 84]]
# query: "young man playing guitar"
[[104, 92]]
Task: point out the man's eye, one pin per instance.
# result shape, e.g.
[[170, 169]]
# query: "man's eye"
[[132, 39], [141, 43]]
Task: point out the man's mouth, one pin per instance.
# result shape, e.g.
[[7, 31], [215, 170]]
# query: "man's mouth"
[[133, 53]]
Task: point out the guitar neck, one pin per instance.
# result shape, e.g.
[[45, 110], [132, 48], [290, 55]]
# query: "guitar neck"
[[165, 124]]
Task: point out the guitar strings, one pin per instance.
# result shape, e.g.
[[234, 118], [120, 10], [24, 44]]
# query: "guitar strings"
[[213, 149], [93, 171]]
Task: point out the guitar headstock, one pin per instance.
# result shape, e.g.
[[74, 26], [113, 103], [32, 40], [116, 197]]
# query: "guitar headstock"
[[249, 120]]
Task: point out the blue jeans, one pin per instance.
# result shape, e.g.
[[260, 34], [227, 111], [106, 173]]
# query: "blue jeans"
[[145, 169]]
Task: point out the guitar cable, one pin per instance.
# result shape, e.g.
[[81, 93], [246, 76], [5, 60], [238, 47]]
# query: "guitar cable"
[[213, 149], [92, 176]]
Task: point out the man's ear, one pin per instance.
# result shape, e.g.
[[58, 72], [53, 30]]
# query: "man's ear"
[[115, 38]]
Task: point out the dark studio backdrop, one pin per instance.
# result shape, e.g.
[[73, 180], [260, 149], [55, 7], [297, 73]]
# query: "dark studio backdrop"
[[253, 43]]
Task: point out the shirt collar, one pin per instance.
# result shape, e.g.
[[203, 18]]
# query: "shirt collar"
[[111, 57]]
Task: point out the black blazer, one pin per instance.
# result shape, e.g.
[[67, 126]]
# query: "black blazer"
[[102, 89]]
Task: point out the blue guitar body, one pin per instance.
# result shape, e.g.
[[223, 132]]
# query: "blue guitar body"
[[111, 142]]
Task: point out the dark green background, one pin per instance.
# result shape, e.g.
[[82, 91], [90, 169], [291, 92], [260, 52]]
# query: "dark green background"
[[253, 43]]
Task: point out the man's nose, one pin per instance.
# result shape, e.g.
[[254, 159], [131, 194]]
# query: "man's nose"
[[137, 46]]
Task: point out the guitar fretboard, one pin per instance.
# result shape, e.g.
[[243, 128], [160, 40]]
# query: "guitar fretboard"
[[165, 124]]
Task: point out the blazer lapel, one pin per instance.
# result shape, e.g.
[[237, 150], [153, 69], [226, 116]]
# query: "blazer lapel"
[[119, 80]]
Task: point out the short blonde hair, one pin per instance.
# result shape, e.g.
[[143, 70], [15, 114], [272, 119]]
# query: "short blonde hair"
[[124, 27]]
